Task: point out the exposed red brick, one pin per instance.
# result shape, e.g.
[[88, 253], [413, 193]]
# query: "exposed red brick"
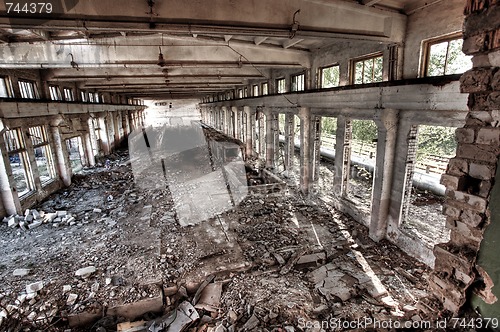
[[476, 80]]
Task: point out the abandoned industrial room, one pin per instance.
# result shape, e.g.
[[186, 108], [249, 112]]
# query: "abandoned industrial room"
[[231, 165]]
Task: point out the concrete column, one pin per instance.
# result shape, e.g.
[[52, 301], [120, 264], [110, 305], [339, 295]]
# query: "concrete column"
[[237, 122], [306, 149], [128, 129], [262, 134], [88, 149], [116, 128], [271, 130], [316, 148], [387, 123], [342, 156], [104, 136], [289, 142], [250, 131], [10, 199], [61, 151]]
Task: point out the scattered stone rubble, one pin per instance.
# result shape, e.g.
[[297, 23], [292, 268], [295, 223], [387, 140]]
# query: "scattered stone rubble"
[[126, 264], [33, 218]]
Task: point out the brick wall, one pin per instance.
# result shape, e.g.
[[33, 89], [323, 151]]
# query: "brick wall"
[[470, 175]]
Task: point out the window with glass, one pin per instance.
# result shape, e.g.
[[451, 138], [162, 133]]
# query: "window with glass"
[[19, 164], [5, 88], [28, 89], [43, 153], [255, 91], [55, 93], [368, 70], [445, 57], [68, 94], [265, 88], [240, 93], [329, 77], [280, 85], [298, 82], [245, 92]]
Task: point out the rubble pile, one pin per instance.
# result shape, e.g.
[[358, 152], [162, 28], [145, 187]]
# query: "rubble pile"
[[268, 264], [34, 218]]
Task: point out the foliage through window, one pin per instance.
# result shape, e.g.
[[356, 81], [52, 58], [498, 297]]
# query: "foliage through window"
[[446, 58], [329, 77], [43, 153], [368, 70], [28, 90], [19, 164], [280, 84], [298, 82]]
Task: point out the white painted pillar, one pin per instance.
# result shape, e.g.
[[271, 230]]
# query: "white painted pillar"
[[306, 150], [289, 142], [61, 151], [250, 131], [387, 124]]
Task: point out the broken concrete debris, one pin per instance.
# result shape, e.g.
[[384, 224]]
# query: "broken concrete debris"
[[271, 261], [33, 218]]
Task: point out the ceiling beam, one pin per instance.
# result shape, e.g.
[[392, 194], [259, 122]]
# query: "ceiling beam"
[[273, 20], [291, 42]]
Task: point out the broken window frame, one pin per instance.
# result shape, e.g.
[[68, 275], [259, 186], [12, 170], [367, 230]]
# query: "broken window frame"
[[5, 87], [245, 92], [80, 153], [426, 53], [55, 93], [40, 140], [321, 73], [68, 94], [280, 85], [28, 89], [84, 96], [365, 60], [15, 145], [298, 82]]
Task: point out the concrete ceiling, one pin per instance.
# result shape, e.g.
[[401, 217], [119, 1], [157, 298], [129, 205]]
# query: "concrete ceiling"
[[208, 46]]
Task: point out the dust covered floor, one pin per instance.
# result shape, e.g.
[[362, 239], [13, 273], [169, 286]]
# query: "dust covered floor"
[[113, 253]]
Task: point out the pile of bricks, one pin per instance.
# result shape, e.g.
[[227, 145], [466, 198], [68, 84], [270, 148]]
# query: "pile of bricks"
[[470, 175]]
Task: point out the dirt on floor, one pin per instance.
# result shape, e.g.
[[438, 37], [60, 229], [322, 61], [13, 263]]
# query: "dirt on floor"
[[107, 255]]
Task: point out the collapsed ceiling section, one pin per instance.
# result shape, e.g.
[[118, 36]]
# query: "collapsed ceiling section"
[[177, 49]]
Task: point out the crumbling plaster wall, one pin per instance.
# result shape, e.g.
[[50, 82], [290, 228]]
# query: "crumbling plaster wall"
[[471, 175], [433, 21]]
